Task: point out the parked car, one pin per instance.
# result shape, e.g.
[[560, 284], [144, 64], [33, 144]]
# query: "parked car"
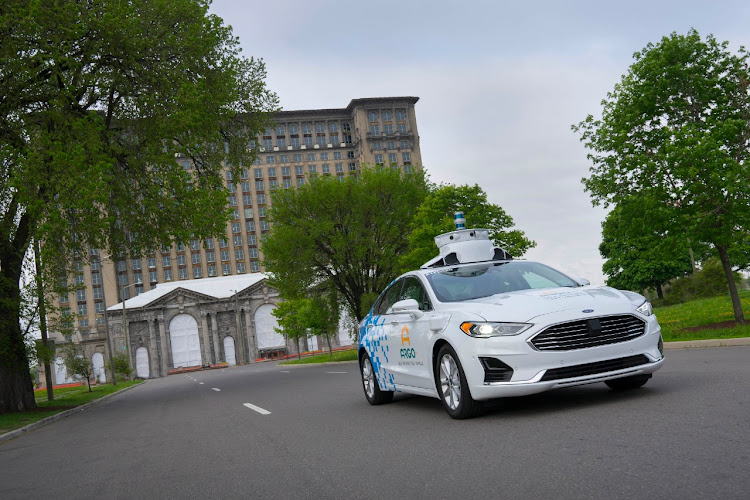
[[475, 324]]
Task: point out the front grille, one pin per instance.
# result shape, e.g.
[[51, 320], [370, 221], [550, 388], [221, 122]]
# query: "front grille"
[[594, 368], [589, 333]]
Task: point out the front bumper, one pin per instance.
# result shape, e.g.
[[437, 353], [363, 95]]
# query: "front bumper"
[[639, 356]]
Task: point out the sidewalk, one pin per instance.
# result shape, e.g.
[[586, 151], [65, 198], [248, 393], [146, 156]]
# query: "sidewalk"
[[692, 344]]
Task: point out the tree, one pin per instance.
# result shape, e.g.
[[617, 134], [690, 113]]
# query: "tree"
[[344, 234], [321, 315], [290, 317], [435, 216], [678, 124], [97, 101], [77, 363], [122, 366], [640, 253]]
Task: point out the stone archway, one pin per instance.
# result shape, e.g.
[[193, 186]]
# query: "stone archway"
[[97, 361], [265, 322], [229, 352], [141, 363], [186, 346]]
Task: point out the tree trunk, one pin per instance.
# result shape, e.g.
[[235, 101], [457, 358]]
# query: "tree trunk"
[[330, 351], [659, 292], [43, 320], [736, 304], [299, 354]]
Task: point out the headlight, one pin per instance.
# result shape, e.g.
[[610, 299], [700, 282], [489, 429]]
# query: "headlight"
[[646, 309], [485, 330]]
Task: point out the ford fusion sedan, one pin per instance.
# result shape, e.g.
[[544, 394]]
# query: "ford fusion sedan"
[[473, 324]]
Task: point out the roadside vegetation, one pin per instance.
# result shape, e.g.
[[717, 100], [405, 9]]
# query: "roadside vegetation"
[[705, 318], [66, 398], [350, 355]]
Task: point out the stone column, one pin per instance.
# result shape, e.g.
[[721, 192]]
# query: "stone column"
[[215, 329], [153, 361], [204, 333], [215, 336], [239, 339], [250, 333], [166, 347]]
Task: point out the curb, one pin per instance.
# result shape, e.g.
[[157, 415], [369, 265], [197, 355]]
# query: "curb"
[[57, 416], [693, 344], [327, 363]]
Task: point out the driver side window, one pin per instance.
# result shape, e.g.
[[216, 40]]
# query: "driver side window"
[[413, 289], [390, 297]]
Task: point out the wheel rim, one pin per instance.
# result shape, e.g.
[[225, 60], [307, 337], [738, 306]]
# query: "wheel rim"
[[368, 378], [450, 382]]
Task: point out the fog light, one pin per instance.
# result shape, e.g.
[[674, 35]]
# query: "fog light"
[[660, 345]]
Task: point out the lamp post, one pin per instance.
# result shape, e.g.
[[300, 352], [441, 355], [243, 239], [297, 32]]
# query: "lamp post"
[[125, 324]]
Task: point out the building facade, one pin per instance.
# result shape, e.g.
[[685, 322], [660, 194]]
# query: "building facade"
[[302, 144]]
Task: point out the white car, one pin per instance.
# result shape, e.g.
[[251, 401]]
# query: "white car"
[[474, 324]]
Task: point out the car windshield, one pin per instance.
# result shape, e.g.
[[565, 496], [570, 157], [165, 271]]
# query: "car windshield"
[[482, 280]]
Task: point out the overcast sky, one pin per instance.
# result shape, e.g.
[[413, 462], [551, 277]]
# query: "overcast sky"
[[499, 82]]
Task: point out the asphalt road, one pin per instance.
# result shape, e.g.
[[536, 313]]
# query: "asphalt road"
[[685, 435]]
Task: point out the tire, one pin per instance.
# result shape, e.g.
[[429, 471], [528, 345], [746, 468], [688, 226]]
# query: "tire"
[[452, 387], [370, 383], [627, 383]]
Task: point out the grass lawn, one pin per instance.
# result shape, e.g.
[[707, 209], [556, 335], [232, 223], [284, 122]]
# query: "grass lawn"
[[700, 319], [65, 399], [350, 355]]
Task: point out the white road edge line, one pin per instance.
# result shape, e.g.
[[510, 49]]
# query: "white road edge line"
[[335, 372], [284, 371], [215, 389], [201, 383], [257, 408]]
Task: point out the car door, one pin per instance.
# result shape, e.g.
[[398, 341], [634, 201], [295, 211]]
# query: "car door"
[[408, 338], [379, 331]]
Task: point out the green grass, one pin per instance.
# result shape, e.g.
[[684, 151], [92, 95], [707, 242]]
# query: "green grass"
[[67, 397], [350, 355], [700, 312]]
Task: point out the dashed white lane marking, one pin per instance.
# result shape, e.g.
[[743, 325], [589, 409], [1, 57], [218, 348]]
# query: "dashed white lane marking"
[[257, 408], [215, 389], [201, 383], [285, 371], [335, 372]]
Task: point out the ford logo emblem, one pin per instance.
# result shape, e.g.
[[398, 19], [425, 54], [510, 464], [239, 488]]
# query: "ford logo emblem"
[[588, 310]]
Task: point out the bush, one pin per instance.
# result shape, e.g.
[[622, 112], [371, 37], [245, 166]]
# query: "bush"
[[122, 367], [709, 281]]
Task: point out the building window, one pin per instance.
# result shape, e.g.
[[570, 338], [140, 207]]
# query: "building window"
[[401, 127], [273, 184], [339, 168], [98, 294], [300, 181], [82, 309], [400, 114], [248, 213], [388, 128], [122, 279], [95, 265], [240, 268], [255, 266], [136, 264], [151, 263], [79, 280], [250, 226], [209, 243], [352, 167], [298, 170], [235, 214], [229, 175], [346, 127], [237, 240], [245, 187], [267, 143], [375, 129], [392, 158], [152, 277], [390, 145], [322, 140], [239, 254], [96, 279], [310, 156], [223, 243], [404, 145], [287, 183], [64, 298], [261, 199], [313, 169], [225, 255], [406, 157], [326, 168], [166, 261], [259, 185], [387, 116], [280, 142], [333, 127], [271, 171], [181, 260], [377, 145], [252, 253], [183, 274], [83, 323], [372, 116], [197, 272], [247, 200], [264, 225], [294, 141], [337, 155], [269, 160], [350, 154], [407, 169], [232, 201], [323, 156], [258, 173], [81, 295], [210, 257], [286, 171], [137, 278], [251, 239], [167, 275], [99, 320], [225, 269], [196, 258], [308, 141], [211, 270], [378, 159], [180, 247], [297, 159], [236, 228], [293, 129], [307, 128], [261, 212]]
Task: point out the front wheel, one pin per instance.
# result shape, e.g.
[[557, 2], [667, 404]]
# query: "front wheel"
[[452, 386], [627, 383], [370, 383]]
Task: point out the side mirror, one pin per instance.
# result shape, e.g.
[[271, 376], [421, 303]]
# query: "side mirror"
[[407, 306], [582, 281]]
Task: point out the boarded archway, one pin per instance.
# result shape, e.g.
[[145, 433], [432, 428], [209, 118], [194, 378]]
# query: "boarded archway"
[[229, 350], [141, 363], [100, 374], [61, 373], [265, 323], [186, 346]]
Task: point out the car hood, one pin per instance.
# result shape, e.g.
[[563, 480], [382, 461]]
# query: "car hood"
[[525, 305]]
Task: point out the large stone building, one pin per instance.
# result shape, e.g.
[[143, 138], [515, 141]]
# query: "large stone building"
[[302, 144]]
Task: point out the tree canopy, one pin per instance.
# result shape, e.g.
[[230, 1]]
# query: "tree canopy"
[[678, 125], [435, 216], [347, 233], [115, 120]]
